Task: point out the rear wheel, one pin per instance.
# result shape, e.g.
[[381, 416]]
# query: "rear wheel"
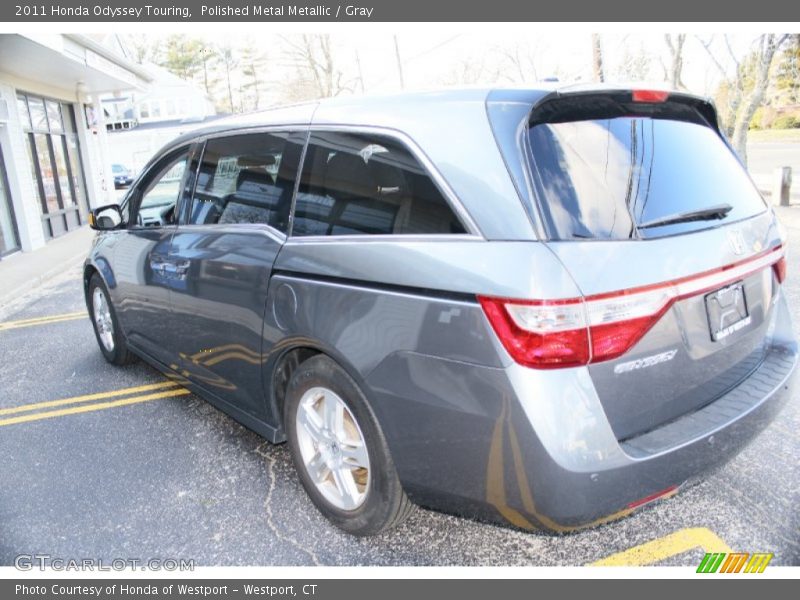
[[339, 450], [106, 326]]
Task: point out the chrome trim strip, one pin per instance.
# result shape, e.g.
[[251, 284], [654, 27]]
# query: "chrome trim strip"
[[376, 287], [385, 237]]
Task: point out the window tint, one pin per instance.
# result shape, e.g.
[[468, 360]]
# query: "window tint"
[[246, 179], [367, 184], [160, 193], [603, 178]]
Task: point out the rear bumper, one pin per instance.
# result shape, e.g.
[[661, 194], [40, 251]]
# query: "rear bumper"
[[670, 455], [535, 449]]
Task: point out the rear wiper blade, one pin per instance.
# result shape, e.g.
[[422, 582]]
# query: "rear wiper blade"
[[704, 214]]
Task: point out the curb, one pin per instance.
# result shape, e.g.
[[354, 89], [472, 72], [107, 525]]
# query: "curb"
[[794, 197], [8, 296]]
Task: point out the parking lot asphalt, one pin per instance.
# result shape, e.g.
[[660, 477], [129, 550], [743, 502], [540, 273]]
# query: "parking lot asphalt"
[[142, 469]]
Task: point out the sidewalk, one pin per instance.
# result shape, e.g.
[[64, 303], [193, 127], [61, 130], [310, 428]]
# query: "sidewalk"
[[24, 270]]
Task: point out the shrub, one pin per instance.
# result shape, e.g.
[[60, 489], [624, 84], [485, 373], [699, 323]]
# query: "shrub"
[[786, 122]]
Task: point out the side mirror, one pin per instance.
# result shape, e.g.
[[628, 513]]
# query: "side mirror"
[[106, 217]]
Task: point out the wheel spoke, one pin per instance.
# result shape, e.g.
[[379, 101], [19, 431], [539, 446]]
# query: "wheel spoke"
[[310, 420], [346, 486], [354, 454], [334, 415], [317, 468]]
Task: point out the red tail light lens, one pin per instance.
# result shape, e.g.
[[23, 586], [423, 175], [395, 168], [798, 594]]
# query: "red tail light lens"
[[780, 269], [538, 333], [549, 334], [568, 333], [650, 96]]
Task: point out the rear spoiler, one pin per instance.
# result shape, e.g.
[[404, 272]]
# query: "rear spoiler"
[[586, 104]]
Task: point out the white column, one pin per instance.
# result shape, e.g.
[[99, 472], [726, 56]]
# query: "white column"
[[89, 155], [94, 152], [21, 186]]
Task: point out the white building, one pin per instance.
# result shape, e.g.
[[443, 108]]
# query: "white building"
[[141, 122], [168, 99], [54, 158]]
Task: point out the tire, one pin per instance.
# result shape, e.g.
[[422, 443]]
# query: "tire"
[[106, 325], [374, 500]]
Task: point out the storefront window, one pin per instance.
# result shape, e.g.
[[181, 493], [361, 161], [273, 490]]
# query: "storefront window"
[[54, 116], [38, 114], [64, 184], [55, 162], [22, 107], [46, 172], [73, 154]]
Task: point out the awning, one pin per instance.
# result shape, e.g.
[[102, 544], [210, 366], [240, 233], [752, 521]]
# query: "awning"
[[64, 60]]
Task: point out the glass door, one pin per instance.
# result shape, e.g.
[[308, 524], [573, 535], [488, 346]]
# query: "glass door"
[[55, 162]]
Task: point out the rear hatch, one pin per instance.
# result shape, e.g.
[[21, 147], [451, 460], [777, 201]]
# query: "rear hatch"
[[674, 250]]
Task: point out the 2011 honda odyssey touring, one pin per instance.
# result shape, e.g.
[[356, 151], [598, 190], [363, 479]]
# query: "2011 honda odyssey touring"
[[546, 307]]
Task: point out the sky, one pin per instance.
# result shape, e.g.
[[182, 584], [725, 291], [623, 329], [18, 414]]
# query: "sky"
[[452, 55], [449, 57]]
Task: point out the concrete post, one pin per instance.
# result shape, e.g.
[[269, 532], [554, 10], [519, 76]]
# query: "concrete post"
[[781, 185]]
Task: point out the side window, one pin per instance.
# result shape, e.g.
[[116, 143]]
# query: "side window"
[[246, 178], [362, 184], [160, 191]]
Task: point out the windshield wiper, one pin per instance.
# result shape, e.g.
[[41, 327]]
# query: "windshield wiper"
[[704, 214]]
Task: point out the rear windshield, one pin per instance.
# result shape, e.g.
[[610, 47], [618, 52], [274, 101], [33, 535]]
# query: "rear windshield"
[[608, 178]]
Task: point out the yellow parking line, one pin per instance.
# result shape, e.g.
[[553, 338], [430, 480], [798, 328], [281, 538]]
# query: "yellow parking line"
[[88, 397], [662, 548], [92, 407], [42, 320]]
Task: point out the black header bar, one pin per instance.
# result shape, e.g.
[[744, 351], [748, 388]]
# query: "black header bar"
[[327, 11]]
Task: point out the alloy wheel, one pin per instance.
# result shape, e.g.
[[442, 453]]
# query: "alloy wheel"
[[333, 448]]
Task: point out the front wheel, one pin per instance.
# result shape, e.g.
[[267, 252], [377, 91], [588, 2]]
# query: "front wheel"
[[106, 326], [339, 450]]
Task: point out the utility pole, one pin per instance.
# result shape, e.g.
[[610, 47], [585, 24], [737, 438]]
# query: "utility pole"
[[399, 63], [597, 58]]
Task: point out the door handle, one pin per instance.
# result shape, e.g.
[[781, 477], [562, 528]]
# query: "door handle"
[[157, 263]]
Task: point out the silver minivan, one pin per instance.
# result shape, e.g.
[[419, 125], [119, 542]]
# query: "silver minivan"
[[544, 307]]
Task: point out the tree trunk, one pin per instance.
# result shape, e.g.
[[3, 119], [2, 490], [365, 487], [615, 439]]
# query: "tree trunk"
[[675, 46], [597, 58], [733, 109], [256, 91], [205, 73], [230, 88], [768, 44], [399, 64]]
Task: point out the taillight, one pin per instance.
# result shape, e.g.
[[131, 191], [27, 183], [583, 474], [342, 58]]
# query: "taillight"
[[568, 333], [650, 96], [540, 334], [780, 269], [549, 334]]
